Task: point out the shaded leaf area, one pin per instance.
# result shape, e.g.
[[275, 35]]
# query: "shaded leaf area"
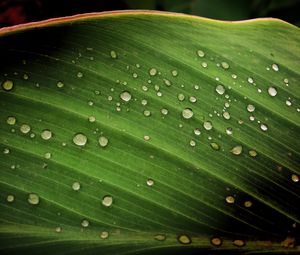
[[148, 133]]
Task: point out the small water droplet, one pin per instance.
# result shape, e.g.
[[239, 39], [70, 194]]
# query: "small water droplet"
[[263, 127], [107, 200], [80, 139], [160, 237], [85, 223], [237, 150], [200, 53], [79, 74], [134, 75], [226, 115], [250, 80], [76, 186], [58, 229], [33, 199], [272, 91], [47, 155], [220, 89], [252, 153], [144, 102], [197, 131], [25, 76], [125, 96], [250, 108], [295, 178], [113, 54], [174, 73], [6, 151], [230, 199], [10, 198], [247, 203], [180, 97], [216, 241], [147, 113], [167, 82], [215, 146], [207, 125], [204, 64], [146, 137], [234, 76], [192, 143], [25, 128], [150, 182], [153, 71], [60, 84], [46, 134], [92, 119], [187, 113], [103, 141], [275, 67], [164, 111], [238, 243], [104, 235], [225, 65], [184, 239], [288, 102], [229, 131], [11, 120]]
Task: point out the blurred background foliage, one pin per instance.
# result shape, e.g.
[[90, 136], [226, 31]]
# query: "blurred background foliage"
[[14, 12]]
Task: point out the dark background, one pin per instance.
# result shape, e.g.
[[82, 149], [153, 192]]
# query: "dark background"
[[14, 12]]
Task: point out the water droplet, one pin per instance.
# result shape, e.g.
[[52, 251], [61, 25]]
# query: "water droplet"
[[250, 80], [252, 153], [10, 198], [33, 199], [248, 204], [11, 120], [76, 186], [92, 119], [79, 74], [184, 239], [25, 128], [146, 137], [215, 146], [237, 150], [220, 89], [250, 108], [103, 141], [200, 53], [107, 200], [197, 131], [113, 54], [272, 91], [167, 82], [238, 243], [204, 64], [164, 111], [58, 229], [144, 102], [6, 151], [295, 178], [47, 155], [174, 73], [225, 65], [193, 99], [25, 76], [147, 113], [125, 96], [187, 113], [46, 134], [150, 182], [275, 67], [60, 84], [80, 139], [192, 143], [226, 115], [160, 237], [216, 241], [153, 71], [180, 97], [230, 199], [234, 76], [207, 125], [288, 102], [85, 223], [104, 235], [229, 131], [134, 75], [263, 127]]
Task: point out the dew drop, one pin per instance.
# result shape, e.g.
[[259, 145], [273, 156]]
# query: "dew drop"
[[226, 115], [288, 102], [11, 120], [25, 128], [147, 113], [247, 203], [60, 84], [8, 85], [220, 89], [215, 146], [134, 75], [10, 198], [216, 241], [234, 76], [192, 143], [238, 243], [153, 71], [180, 97], [33, 199], [76, 186], [47, 155], [250, 80], [160, 237], [272, 91], [229, 131], [80, 139], [250, 108], [79, 74], [204, 64], [275, 67], [146, 137], [103, 141], [187, 113], [150, 182], [263, 127], [193, 99], [237, 150], [107, 200], [113, 54], [6, 151], [25, 76], [167, 82], [92, 119], [164, 111], [184, 239], [58, 229], [225, 65], [230, 199], [174, 73], [200, 53], [46, 134], [295, 178], [125, 96], [85, 223], [104, 235], [207, 125], [252, 153], [197, 131]]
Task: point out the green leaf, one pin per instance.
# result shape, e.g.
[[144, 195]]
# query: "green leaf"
[[149, 133]]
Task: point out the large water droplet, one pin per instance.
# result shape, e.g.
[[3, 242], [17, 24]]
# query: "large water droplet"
[[216, 241], [11, 120], [207, 125], [107, 200], [187, 113], [125, 96], [7, 85], [25, 128], [33, 199], [200, 53], [250, 108], [295, 178], [80, 139], [103, 141], [275, 67], [220, 89], [46, 134], [230, 199], [85, 223], [184, 239], [225, 65], [76, 186], [153, 71], [237, 150], [215, 146], [180, 97], [272, 91], [263, 127]]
